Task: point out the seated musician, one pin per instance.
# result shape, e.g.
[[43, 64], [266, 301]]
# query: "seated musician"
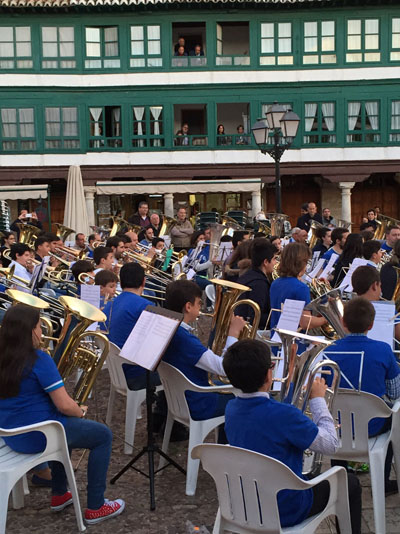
[[103, 258], [189, 355], [147, 236], [389, 273], [117, 245], [379, 371], [372, 252], [7, 241], [263, 260], [366, 282], [122, 314], [134, 240], [392, 235], [108, 282], [42, 247], [338, 237], [324, 241], [256, 422], [92, 239], [21, 256], [32, 391], [239, 262], [82, 266]]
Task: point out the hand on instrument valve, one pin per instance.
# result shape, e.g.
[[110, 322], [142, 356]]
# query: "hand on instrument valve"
[[236, 326], [318, 388]]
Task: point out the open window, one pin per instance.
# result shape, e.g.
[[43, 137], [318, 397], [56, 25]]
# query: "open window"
[[233, 45], [189, 44], [190, 125], [105, 127], [233, 125]]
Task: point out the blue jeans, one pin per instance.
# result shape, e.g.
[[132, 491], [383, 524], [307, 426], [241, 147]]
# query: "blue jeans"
[[86, 434]]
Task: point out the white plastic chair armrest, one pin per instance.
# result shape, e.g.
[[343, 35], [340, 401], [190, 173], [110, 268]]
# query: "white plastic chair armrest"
[[28, 428], [396, 406]]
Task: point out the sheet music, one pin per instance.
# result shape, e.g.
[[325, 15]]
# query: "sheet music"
[[290, 316], [149, 338], [38, 272], [346, 284], [91, 294], [329, 266], [225, 248], [383, 328], [190, 274], [317, 267], [314, 259]]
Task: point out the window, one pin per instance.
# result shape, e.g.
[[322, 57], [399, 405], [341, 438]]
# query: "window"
[[15, 47], [233, 43], [363, 122], [58, 47], [190, 125], [105, 127], [395, 53], [394, 135], [61, 128], [102, 48], [189, 44], [233, 125], [276, 43], [319, 42], [148, 127], [18, 129], [146, 46], [362, 40], [319, 124]]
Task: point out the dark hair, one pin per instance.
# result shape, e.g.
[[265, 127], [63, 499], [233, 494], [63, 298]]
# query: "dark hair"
[[259, 234], [17, 353], [390, 228], [180, 292], [395, 259], [51, 237], [79, 233], [218, 127], [81, 266], [352, 249], [104, 277], [262, 250], [246, 364], [337, 234], [114, 241], [131, 276], [226, 239], [100, 253], [238, 235], [6, 235], [195, 237], [371, 209], [91, 237], [366, 225], [363, 278], [322, 231], [304, 206], [124, 238], [367, 235], [40, 241], [241, 252], [156, 240], [370, 247], [358, 315], [143, 203], [272, 238], [18, 248], [294, 258]]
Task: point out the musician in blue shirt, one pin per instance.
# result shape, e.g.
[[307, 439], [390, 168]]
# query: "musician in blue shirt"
[[122, 314], [338, 237], [256, 422], [368, 365], [392, 235]]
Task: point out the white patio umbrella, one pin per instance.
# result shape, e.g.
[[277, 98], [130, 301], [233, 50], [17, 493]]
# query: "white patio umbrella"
[[75, 213]]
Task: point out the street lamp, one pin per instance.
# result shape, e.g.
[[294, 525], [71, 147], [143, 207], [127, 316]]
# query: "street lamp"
[[273, 136]]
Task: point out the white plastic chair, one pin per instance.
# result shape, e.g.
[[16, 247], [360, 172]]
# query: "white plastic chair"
[[14, 465], [175, 384], [247, 485], [134, 399], [354, 410], [210, 293]]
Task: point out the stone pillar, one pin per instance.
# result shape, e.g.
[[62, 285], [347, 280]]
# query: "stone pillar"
[[169, 204], [255, 202], [89, 199], [346, 188]]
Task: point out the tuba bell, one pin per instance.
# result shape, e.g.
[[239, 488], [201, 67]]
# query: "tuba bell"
[[384, 222], [28, 234], [313, 233], [167, 224], [330, 306], [119, 224], [63, 231]]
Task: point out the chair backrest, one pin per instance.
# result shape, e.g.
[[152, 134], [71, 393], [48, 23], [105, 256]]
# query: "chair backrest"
[[117, 375], [210, 292], [353, 410], [175, 384], [247, 484]]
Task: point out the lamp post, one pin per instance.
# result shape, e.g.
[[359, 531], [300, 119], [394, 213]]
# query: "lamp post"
[[273, 136]]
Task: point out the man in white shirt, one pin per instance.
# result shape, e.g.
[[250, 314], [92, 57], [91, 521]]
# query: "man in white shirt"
[[21, 255]]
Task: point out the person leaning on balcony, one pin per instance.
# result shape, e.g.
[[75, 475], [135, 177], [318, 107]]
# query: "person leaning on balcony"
[[197, 51], [181, 42], [181, 52], [182, 231], [141, 217]]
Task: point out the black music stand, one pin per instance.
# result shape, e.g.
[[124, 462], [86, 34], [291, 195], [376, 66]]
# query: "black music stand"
[[150, 449]]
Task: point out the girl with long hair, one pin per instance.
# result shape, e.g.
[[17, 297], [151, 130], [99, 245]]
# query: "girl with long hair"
[[352, 249], [32, 391]]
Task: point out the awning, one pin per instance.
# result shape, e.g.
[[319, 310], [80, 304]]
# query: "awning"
[[189, 186], [23, 192]]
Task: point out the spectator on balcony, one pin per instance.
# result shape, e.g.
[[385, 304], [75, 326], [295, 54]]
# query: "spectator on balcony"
[[222, 139], [197, 51], [181, 42], [240, 138], [183, 135], [181, 52]]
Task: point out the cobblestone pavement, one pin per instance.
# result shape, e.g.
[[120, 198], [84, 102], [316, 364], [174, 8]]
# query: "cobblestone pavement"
[[173, 507]]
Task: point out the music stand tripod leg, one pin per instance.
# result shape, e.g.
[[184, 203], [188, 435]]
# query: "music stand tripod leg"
[[148, 449]]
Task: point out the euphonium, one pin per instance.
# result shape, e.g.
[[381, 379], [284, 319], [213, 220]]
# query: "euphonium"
[[28, 233], [230, 223], [313, 233], [166, 226], [264, 228], [63, 231], [277, 222], [384, 222], [330, 306], [119, 223]]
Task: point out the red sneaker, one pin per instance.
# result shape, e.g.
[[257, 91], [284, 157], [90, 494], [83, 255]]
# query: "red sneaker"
[[59, 502], [109, 509]]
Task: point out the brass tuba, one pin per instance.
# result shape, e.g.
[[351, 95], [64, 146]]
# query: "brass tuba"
[[264, 228], [63, 231], [167, 224], [330, 306], [313, 233], [384, 222], [28, 234], [119, 224]]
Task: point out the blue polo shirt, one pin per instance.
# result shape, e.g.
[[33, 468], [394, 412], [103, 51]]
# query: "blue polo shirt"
[[379, 365], [122, 314], [328, 254], [281, 431], [386, 247], [286, 288], [32, 405], [184, 351]]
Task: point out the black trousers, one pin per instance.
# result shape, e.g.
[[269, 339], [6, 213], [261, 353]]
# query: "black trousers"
[[321, 495]]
